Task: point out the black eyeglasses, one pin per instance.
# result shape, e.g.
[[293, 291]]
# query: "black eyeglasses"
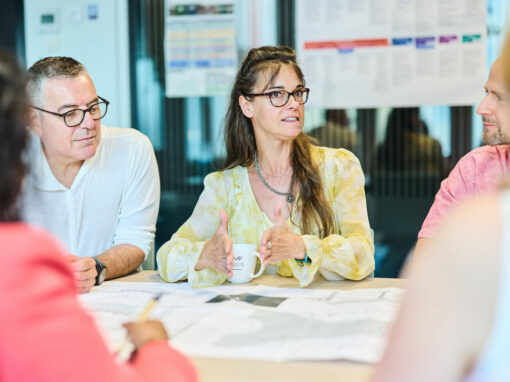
[[279, 98], [75, 117]]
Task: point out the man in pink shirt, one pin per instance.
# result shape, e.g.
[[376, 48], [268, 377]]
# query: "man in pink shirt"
[[480, 170]]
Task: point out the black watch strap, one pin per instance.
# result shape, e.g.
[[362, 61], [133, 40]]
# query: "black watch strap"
[[101, 271]]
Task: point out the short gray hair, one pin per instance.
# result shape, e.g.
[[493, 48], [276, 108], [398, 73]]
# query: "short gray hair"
[[48, 68]]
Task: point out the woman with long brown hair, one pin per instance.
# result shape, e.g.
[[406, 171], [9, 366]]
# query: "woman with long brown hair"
[[304, 206]]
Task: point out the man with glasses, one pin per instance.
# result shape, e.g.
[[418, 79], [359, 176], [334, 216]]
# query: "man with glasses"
[[96, 188]]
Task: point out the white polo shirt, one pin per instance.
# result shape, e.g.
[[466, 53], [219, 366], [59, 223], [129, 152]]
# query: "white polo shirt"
[[113, 200]]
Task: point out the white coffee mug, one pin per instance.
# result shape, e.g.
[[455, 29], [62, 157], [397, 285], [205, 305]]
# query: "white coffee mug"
[[245, 258]]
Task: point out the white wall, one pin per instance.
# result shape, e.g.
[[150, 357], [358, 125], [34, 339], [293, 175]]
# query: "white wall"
[[95, 33]]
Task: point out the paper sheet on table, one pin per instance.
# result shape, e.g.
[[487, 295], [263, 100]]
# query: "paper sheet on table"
[[254, 322]]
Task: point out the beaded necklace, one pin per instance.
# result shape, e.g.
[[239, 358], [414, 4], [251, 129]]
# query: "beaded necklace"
[[288, 195]]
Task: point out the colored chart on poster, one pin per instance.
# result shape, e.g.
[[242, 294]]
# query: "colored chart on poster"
[[200, 47], [374, 53]]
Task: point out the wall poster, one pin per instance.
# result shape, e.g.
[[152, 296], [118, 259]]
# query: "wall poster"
[[372, 53]]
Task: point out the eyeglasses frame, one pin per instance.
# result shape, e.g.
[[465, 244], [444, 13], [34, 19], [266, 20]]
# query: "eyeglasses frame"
[[62, 115], [306, 90]]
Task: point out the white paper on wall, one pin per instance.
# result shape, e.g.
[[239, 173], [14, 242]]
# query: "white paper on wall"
[[200, 47], [372, 53]]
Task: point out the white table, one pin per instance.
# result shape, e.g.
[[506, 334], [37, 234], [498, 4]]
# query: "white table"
[[212, 369]]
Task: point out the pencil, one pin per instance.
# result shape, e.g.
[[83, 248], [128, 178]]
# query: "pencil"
[[148, 308], [142, 317]]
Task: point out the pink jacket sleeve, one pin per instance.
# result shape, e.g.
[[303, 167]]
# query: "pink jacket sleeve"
[[46, 336]]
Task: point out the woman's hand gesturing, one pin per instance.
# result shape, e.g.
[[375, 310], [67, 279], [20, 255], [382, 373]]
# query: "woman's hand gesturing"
[[280, 242], [217, 251]]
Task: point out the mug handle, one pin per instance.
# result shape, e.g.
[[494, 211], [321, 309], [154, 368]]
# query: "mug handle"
[[262, 266]]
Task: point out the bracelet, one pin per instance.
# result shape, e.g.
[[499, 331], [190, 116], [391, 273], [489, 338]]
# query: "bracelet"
[[306, 260]]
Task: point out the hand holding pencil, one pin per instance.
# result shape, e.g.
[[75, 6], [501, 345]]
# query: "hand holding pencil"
[[144, 331], [140, 333]]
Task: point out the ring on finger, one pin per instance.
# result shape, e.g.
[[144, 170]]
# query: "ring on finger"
[[269, 245]]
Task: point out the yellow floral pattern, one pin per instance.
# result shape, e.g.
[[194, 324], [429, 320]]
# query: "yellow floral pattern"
[[349, 253]]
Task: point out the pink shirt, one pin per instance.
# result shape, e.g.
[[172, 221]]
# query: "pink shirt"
[[477, 172], [45, 335]]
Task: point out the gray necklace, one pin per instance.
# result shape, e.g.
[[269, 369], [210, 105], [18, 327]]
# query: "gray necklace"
[[288, 194]]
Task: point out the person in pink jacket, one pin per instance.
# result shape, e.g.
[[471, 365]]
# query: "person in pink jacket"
[[45, 335]]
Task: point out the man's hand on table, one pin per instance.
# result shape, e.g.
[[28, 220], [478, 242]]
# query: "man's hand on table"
[[85, 273]]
